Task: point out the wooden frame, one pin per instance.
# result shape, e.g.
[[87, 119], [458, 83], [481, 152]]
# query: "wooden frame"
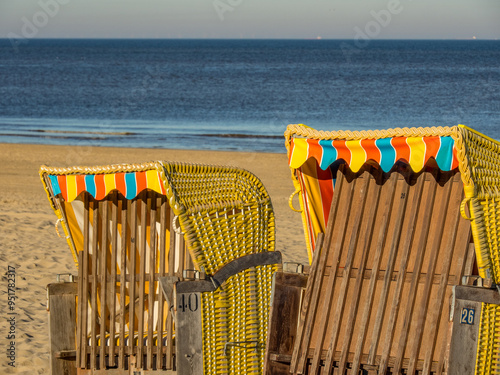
[[380, 281], [109, 248]]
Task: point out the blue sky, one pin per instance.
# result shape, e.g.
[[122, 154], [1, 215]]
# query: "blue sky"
[[346, 19]]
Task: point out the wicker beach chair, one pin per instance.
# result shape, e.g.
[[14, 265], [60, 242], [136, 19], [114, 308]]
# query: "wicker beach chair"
[[128, 226], [403, 280]]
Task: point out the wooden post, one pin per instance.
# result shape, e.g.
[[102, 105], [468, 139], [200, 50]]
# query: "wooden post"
[[62, 327], [188, 345], [465, 329], [287, 294]]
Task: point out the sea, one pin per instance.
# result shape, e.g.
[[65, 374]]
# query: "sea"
[[239, 95]]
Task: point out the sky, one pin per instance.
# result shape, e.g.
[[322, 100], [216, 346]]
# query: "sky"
[[332, 19]]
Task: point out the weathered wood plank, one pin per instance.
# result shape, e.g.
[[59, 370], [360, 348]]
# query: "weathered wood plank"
[[287, 294], [465, 334], [188, 346], [112, 290], [62, 327], [103, 257], [151, 284], [125, 210], [171, 272], [132, 272], [142, 282], [93, 294], [83, 294]]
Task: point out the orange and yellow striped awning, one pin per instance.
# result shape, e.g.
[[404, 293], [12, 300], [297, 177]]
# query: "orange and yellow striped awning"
[[99, 186], [311, 159], [415, 151]]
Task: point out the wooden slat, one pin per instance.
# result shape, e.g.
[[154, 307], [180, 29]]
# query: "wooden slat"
[[83, 288], [311, 300], [380, 241], [79, 310], [469, 261], [125, 210], [171, 272], [132, 272], [103, 208], [112, 290], [355, 236], [414, 210], [93, 294], [142, 279], [152, 271], [163, 206], [181, 253]]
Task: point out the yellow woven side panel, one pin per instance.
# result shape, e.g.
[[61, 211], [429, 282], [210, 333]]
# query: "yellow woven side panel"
[[480, 167], [491, 209], [221, 234], [234, 323], [226, 213], [488, 351]]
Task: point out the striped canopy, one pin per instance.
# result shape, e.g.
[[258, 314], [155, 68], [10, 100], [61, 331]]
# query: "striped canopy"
[[70, 186], [310, 159], [415, 151]]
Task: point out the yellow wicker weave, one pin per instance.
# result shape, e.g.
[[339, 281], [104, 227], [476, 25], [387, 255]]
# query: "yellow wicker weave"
[[479, 165], [488, 357], [226, 213]]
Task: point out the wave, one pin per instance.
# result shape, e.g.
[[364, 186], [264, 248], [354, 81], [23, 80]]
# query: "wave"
[[47, 133], [79, 132], [234, 135]]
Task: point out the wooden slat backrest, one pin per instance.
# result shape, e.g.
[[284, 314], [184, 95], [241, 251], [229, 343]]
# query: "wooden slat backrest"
[[378, 298], [124, 312]]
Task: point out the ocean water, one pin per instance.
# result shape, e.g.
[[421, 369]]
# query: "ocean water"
[[239, 94]]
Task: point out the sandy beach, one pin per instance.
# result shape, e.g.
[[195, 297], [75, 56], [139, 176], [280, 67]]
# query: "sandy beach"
[[29, 243]]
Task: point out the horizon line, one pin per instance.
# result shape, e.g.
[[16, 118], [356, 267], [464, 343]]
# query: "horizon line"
[[319, 38]]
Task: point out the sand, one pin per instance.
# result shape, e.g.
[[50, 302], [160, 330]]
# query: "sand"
[[29, 243]]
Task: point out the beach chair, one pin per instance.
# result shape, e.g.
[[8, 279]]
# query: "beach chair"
[[130, 226], [403, 281]]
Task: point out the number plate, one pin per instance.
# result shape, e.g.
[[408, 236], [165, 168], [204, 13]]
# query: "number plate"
[[467, 316]]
